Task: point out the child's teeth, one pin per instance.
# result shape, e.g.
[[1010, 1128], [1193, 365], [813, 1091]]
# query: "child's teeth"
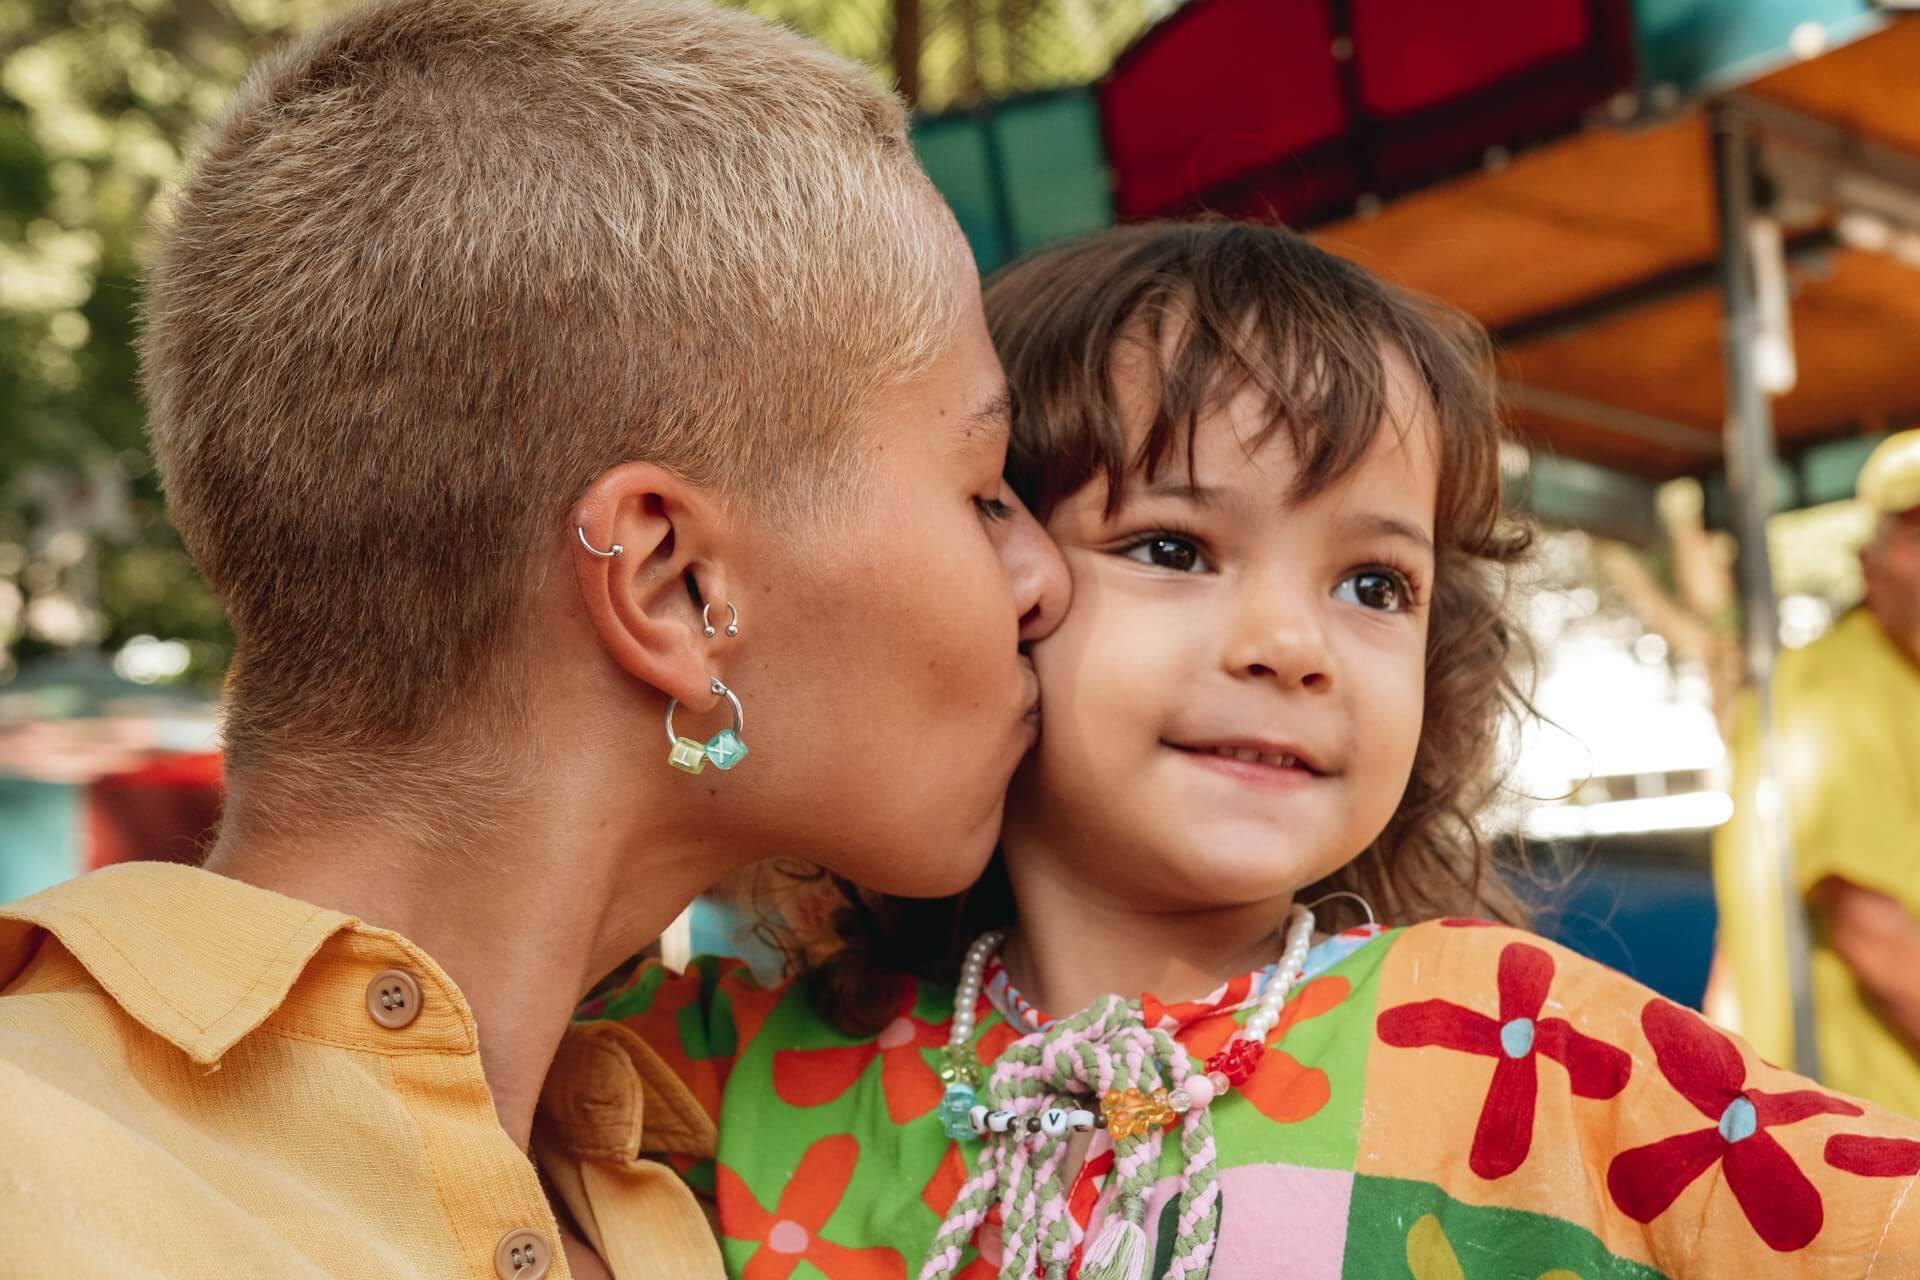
[[1250, 756]]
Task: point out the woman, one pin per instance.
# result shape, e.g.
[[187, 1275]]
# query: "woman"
[[525, 374]]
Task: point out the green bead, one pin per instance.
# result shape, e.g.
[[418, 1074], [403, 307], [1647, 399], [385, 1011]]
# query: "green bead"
[[726, 749], [687, 754], [959, 1068]]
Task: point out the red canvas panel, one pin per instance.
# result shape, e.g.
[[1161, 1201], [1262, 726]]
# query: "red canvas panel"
[[1413, 55], [1224, 89]]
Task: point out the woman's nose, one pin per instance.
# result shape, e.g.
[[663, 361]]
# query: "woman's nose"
[[1038, 574]]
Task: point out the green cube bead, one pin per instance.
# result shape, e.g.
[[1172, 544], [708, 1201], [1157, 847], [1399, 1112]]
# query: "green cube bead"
[[687, 754], [726, 749]]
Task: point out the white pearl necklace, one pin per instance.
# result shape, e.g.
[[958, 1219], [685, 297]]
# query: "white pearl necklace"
[[1293, 962], [960, 1114]]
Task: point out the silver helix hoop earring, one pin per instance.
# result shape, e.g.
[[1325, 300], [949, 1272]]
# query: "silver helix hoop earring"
[[725, 748], [604, 555], [733, 620]]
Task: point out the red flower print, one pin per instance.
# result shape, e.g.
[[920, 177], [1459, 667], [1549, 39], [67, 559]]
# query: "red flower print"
[[1516, 1041], [1872, 1157], [1706, 1069], [811, 1077], [792, 1232]]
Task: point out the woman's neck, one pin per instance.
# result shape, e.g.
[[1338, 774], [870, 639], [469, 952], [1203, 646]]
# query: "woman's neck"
[[1077, 945], [522, 928]]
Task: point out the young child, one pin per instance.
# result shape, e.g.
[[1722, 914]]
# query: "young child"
[[1272, 705]]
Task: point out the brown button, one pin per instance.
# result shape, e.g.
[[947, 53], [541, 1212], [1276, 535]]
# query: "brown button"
[[393, 998], [522, 1255]]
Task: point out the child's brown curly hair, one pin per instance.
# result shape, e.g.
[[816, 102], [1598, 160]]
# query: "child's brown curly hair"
[[1221, 306]]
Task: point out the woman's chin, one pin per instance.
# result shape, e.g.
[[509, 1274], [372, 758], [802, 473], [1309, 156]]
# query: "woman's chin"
[[935, 874]]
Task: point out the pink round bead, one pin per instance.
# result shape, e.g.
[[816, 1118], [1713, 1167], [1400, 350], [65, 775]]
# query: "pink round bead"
[[1200, 1090], [1219, 1081]]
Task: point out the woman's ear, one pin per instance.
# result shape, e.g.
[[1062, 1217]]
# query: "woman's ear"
[[645, 598]]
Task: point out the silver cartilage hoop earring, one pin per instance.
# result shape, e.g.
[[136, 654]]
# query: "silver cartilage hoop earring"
[[604, 555], [733, 620]]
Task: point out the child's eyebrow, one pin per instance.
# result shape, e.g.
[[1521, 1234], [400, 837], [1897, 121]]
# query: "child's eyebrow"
[[1200, 495], [1388, 526]]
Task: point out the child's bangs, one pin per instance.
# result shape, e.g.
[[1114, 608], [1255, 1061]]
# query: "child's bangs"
[[1197, 314], [1318, 376]]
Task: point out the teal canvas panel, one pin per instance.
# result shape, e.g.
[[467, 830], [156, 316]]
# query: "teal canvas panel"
[[956, 154], [1054, 168], [1701, 45], [39, 835]]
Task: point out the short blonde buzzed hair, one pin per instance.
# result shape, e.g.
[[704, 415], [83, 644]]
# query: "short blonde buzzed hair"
[[446, 261]]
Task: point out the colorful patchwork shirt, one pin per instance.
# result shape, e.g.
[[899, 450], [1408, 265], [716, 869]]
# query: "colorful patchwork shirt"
[[1450, 1101]]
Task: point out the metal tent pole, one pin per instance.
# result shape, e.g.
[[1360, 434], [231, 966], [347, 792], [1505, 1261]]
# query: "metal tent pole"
[[1751, 468]]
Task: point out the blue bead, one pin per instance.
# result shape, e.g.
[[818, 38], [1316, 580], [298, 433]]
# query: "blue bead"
[[1739, 1120], [726, 749], [956, 1112], [1516, 1037]]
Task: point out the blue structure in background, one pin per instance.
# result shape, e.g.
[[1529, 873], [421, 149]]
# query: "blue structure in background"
[[40, 835], [1652, 918]]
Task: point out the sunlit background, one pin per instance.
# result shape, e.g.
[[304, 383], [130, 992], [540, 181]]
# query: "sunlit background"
[[1576, 145]]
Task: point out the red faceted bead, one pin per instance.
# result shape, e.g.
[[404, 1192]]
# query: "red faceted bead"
[[1238, 1060]]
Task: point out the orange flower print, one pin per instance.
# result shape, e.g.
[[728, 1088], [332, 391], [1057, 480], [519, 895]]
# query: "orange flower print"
[[791, 1232], [814, 1077], [1282, 1088]]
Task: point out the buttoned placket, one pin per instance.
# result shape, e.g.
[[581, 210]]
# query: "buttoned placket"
[[396, 998]]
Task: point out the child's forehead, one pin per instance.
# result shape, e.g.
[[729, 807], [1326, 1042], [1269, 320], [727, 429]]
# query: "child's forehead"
[[1236, 432]]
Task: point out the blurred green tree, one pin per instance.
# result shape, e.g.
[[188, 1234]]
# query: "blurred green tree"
[[99, 99]]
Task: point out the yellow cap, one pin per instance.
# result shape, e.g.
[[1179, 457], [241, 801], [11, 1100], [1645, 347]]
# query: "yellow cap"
[[1890, 482]]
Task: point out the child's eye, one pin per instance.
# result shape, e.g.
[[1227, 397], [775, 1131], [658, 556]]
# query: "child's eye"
[[1380, 589], [993, 508], [1168, 551]]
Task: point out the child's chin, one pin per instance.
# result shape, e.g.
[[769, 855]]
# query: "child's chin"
[[1234, 876]]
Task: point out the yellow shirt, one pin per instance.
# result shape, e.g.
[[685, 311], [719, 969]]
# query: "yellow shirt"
[[202, 1078], [1847, 754]]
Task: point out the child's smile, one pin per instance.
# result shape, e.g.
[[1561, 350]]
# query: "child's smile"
[[1234, 700], [1255, 762]]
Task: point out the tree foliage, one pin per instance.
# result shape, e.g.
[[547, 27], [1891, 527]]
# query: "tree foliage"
[[99, 100]]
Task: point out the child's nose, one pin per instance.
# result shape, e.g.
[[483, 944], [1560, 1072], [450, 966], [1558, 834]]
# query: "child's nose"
[[1036, 571], [1280, 640]]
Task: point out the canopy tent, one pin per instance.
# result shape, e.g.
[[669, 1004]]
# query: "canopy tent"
[[1594, 260]]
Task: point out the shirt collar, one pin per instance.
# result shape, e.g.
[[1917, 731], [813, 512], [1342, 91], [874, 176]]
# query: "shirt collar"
[[198, 959], [610, 1097]]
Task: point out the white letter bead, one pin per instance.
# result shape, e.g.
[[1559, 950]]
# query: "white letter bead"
[[1081, 1121], [999, 1121], [978, 1118]]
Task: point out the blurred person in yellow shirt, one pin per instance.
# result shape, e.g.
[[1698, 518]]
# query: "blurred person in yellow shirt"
[[1846, 717]]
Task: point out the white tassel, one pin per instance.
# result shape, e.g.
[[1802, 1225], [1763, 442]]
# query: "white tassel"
[[1119, 1253]]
